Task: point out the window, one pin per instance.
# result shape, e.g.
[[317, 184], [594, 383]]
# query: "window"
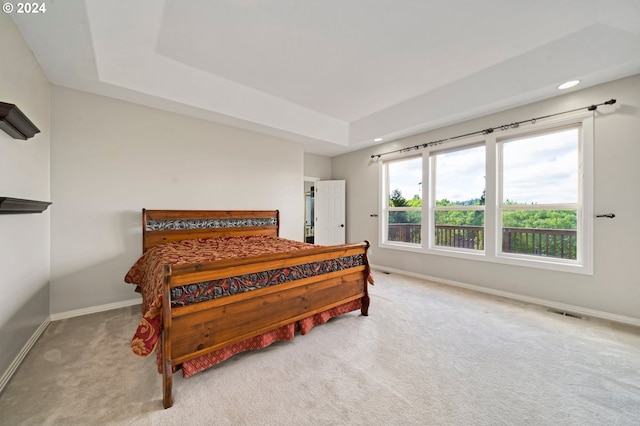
[[521, 197], [403, 201], [459, 197], [539, 205]]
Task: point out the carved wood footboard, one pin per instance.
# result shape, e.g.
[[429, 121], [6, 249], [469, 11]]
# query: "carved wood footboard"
[[308, 281]]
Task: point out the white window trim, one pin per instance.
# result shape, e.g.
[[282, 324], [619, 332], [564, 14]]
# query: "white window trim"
[[457, 146], [492, 250], [385, 209]]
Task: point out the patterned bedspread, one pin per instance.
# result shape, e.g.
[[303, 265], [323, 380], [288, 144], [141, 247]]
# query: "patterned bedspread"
[[148, 273]]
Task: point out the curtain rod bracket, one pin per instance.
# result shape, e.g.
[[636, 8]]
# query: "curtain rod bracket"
[[608, 215]]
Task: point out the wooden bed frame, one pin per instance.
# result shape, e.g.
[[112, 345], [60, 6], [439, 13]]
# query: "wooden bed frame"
[[198, 329]]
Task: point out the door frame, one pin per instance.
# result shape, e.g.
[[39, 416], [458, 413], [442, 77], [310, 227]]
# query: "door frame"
[[313, 180]]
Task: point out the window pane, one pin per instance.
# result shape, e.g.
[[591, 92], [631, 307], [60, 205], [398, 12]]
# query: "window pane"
[[460, 177], [549, 233], [405, 226], [405, 182], [404, 220], [541, 169], [460, 181], [460, 228]]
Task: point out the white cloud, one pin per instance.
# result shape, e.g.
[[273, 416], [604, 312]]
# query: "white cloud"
[[406, 176], [460, 174], [540, 169]]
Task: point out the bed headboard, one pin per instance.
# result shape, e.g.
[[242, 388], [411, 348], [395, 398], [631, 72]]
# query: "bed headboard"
[[164, 226]]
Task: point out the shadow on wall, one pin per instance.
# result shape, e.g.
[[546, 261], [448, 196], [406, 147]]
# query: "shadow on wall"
[[21, 325], [102, 283]]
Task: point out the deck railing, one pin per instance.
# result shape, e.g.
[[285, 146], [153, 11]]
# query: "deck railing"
[[471, 237], [560, 243], [405, 232]]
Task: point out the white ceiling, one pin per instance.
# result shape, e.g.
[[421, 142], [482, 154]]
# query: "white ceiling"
[[333, 74]]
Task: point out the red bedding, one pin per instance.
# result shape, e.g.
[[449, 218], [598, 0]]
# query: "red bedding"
[[147, 273]]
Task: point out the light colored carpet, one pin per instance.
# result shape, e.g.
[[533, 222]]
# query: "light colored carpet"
[[428, 354]]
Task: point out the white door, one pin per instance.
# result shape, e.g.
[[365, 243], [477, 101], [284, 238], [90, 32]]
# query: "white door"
[[330, 212]]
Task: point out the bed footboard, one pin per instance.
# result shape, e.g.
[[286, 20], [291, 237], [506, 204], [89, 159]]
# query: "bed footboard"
[[202, 306], [316, 280]]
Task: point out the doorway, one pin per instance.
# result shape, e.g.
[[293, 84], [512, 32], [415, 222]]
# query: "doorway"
[[309, 209]]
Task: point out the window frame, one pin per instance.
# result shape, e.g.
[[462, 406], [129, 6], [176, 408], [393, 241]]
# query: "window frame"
[[493, 218], [502, 207], [433, 208], [386, 209]]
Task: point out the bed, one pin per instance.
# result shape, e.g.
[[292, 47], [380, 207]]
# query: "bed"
[[234, 285]]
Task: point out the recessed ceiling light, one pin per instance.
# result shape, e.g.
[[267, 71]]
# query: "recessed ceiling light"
[[569, 84], [378, 140]]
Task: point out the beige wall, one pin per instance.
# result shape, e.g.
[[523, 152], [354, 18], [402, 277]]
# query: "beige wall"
[[614, 289], [24, 173], [111, 158], [102, 160], [317, 166]]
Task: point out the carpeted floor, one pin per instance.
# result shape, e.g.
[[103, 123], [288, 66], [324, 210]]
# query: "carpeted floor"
[[428, 354]]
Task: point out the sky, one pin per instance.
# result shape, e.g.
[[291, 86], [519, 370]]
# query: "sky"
[[542, 169], [539, 169], [460, 174], [407, 177]]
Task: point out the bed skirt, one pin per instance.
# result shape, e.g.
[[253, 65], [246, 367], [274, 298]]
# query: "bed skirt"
[[287, 332]]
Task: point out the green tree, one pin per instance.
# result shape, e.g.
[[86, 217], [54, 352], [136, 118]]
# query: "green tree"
[[545, 219], [396, 199], [416, 201]]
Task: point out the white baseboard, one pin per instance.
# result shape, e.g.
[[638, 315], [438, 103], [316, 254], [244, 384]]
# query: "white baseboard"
[[6, 376], [533, 300], [94, 309]]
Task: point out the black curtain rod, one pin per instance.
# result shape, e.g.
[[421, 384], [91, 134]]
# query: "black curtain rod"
[[491, 129]]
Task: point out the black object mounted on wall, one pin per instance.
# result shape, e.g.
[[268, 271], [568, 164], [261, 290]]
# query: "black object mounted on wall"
[[18, 205], [15, 123]]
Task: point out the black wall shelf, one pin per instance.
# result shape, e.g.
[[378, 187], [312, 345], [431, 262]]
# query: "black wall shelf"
[[18, 205], [15, 123]]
